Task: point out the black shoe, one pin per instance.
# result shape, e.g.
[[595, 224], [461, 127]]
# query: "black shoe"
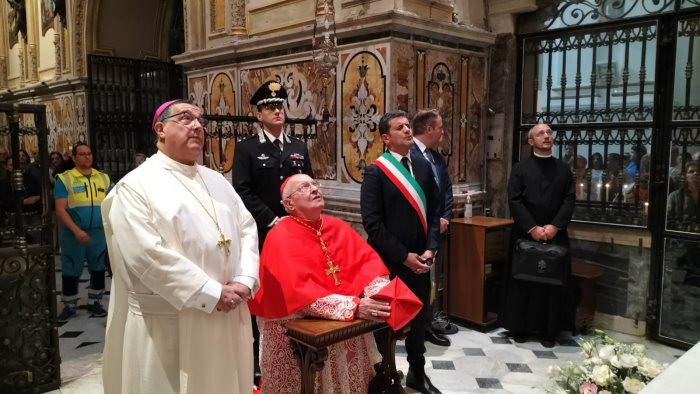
[[435, 338], [446, 329], [97, 310], [420, 382], [547, 342], [442, 324], [518, 337]]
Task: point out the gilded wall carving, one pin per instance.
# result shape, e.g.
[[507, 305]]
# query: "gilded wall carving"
[[33, 74], [65, 121], [238, 25], [3, 72], [363, 91], [78, 28], [217, 15]]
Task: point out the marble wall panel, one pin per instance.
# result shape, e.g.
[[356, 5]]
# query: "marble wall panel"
[[363, 88], [305, 101], [475, 110], [219, 92], [442, 92], [222, 101]]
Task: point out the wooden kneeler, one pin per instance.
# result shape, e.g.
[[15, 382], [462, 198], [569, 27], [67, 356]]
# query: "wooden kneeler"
[[311, 337]]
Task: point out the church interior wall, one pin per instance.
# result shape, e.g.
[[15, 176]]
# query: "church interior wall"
[[456, 56]]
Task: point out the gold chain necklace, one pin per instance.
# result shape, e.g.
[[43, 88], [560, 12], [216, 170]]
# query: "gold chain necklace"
[[222, 242], [332, 269]]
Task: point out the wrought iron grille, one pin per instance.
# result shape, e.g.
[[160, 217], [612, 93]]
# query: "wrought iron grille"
[[29, 352], [555, 14], [686, 96], [600, 75], [683, 206], [123, 95]]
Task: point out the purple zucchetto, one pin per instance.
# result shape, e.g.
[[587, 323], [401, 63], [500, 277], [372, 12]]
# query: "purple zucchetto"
[[160, 110]]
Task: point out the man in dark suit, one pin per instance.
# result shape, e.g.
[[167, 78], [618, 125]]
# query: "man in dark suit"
[[427, 132], [400, 213], [262, 162]]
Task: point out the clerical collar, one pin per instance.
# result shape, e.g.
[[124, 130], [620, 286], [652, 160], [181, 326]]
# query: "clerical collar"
[[420, 145], [170, 164], [398, 157], [542, 156]]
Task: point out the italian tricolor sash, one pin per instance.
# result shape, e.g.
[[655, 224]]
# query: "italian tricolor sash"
[[405, 182]]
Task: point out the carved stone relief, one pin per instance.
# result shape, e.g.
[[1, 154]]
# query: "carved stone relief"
[[3, 72], [58, 53], [238, 25], [78, 30], [32, 73]]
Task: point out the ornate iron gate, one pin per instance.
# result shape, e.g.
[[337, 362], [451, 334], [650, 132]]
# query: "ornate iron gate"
[[123, 95], [619, 84], [29, 353]]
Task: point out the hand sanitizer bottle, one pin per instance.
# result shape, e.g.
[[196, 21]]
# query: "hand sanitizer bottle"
[[468, 207]]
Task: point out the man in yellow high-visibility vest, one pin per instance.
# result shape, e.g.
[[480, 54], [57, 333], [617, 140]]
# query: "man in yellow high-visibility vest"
[[79, 193]]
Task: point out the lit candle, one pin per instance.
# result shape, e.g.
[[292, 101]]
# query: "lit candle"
[[646, 208]]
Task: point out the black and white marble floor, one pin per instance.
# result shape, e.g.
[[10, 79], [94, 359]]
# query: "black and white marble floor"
[[476, 362]]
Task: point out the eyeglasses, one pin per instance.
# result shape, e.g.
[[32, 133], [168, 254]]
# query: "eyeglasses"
[[187, 119], [272, 106], [305, 188]]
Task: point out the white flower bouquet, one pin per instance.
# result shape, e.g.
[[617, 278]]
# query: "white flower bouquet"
[[608, 368]]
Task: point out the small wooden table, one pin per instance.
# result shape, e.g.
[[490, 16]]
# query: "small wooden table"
[[310, 339], [478, 253], [584, 275]]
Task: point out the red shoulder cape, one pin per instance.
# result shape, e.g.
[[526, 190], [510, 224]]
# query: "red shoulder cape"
[[292, 266]]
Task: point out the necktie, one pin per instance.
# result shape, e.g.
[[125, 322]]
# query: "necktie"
[[278, 144], [431, 160], [404, 161]]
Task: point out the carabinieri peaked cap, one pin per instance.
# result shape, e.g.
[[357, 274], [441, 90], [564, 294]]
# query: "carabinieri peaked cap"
[[268, 93]]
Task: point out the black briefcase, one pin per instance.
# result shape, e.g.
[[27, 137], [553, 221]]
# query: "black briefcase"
[[539, 262]]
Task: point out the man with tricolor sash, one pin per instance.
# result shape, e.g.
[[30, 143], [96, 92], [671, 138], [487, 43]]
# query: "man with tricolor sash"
[[400, 206]]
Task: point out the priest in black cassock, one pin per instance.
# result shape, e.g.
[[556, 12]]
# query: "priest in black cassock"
[[541, 196]]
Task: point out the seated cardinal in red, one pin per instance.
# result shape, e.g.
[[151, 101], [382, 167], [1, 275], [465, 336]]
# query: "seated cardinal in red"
[[316, 265]]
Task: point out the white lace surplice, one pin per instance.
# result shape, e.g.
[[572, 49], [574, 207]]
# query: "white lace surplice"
[[350, 364]]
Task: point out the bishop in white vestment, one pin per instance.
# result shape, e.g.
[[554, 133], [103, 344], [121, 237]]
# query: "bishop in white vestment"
[[184, 253]]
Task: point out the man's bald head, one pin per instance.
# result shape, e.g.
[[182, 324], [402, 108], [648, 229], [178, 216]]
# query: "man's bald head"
[[302, 197]]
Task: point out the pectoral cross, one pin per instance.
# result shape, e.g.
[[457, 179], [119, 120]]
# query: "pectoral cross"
[[332, 270], [224, 244]]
